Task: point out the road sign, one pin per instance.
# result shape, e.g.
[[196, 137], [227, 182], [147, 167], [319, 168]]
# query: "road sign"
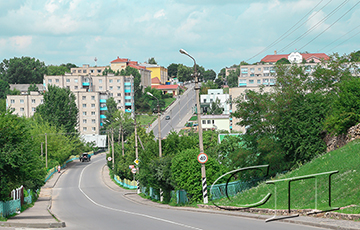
[[131, 166], [136, 161], [109, 159], [133, 170], [202, 158]]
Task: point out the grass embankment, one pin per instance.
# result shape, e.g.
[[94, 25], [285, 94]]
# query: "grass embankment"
[[145, 119], [345, 188]]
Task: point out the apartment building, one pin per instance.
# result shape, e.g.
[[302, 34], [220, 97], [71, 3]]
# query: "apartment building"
[[157, 71], [24, 104], [212, 95], [87, 69], [91, 94]]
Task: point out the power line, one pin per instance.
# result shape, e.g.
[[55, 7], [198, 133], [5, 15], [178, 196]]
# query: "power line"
[[339, 38], [282, 37], [316, 25], [346, 40], [330, 25]]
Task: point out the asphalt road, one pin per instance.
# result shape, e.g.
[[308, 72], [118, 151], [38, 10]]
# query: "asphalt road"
[[83, 201], [180, 109]]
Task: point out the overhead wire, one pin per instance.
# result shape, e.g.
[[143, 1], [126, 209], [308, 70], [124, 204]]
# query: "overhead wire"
[[283, 36], [330, 26], [345, 41], [316, 25], [339, 38]]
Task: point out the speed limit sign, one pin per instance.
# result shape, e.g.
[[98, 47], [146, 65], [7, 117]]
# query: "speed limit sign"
[[202, 158]]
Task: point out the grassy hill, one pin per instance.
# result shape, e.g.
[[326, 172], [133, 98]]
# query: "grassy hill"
[[345, 186]]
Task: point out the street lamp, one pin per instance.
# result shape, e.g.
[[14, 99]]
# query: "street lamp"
[[201, 145], [159, 132], [159, 125]]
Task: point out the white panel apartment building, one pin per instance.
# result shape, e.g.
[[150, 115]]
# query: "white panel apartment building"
[[91, 94], [24, 104], [212, 95]]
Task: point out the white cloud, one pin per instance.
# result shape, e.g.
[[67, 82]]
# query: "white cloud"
[[159, 14], [51, 6], [20, 42]]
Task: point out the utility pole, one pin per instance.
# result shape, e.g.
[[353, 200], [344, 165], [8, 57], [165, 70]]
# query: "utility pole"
[[201, 145], [112, 147], [46, 160], [122, 141], [159, 130], [136, 155], [42, 152]]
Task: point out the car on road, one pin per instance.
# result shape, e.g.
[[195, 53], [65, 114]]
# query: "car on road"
[[85, 157], [167, 118]]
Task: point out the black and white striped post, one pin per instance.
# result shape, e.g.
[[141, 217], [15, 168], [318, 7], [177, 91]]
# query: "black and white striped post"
[[201, 145]]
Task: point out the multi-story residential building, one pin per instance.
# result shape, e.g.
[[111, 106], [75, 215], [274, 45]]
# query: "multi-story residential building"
[[23, 88], [213, 94], [87, 69], [121, 63], [91, 94], [24, 104], [157, 71]]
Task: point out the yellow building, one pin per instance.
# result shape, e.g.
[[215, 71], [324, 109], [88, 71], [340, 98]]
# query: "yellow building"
[[157, 71]]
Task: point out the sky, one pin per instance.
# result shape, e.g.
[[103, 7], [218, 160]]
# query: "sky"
[[217, 33]]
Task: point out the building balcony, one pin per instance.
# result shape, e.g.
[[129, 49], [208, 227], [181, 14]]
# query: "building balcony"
[[127, 90], [103, 108], [127, 97], [127, 83], [103, 116], [86, 83], [127, 110], [128, 103], [102, 100]]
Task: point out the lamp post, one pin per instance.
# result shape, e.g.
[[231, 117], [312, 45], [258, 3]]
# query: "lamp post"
[[201, 145], [159, 133], [159, 124]]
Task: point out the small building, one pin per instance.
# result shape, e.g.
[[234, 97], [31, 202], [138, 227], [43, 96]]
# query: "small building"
[[171, 89], [157, 71], [213, 94], [215, 122]]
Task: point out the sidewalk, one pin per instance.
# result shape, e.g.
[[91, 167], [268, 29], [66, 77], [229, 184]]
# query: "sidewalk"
[[38, 216]]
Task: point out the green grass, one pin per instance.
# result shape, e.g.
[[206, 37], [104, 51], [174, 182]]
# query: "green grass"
[[193, 118], [146, 119], [345, 188], [168, 101]]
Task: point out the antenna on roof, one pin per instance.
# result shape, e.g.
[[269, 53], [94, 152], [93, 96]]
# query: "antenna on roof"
[[95, 59]]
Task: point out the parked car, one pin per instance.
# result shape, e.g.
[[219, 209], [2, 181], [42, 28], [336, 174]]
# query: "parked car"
[[167, 118], [85, 157]]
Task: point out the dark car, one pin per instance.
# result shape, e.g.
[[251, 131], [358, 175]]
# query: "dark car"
[[167, 118], [85, 157]]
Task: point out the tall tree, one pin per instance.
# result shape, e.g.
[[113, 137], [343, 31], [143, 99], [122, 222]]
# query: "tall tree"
[[4, 89], [215, 107], [152, 61], [24, 70], [59, 108], [209, 75], [57, 70], [172, 69], [32, 87]]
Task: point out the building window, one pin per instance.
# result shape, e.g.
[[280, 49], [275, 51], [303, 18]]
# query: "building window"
[[119, 101], [76, 87], [92, 105], [93, 121], [50, 81], [84, 71], [111, 94], [211, 100], [111, 88], [100, 87], [259, 81], [84, 97], [79, 71], [204, 122], [33, 109], [74, 71], [92, 97], [33, 101], [42, 101], [68, 87], [57, 80], [251, 81], [213, 121], [22, 109], [118, 87], [84, 113], [204, 100], [118, 80], [84, 105], [259, 69], [99, 70], [84, 128], [209, 121], [68, 80], [91, 71], [12, 101], [76, 80], [119, 94], [93, 129], [100, 80], [92, 113], [84, 121], [22, 101], [266, 68], [110, 80]]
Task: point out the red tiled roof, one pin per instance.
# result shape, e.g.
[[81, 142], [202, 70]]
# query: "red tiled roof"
[[136, 66], [120, 60], [277, 57], [155, 80], [274, 57], [165, 87]]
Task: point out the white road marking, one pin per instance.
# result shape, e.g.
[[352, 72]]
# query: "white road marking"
[[131, 213]]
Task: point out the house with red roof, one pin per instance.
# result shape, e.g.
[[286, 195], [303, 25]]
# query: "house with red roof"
[[296, 57], [173, 89]]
